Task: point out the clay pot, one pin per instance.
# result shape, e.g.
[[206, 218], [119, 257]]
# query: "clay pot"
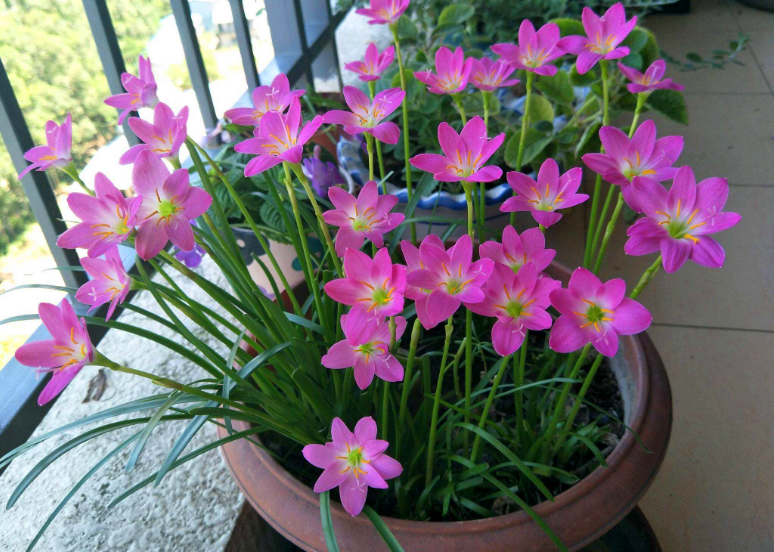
[[579, 516]]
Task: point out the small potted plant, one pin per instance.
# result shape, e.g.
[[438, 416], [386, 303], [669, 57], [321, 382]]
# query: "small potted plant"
[[413, 394]]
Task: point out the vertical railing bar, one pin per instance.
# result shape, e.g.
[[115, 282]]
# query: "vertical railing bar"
[[334, 44], [109, 52], [36, 185], [195, 62], [305, 57], [245, 43]]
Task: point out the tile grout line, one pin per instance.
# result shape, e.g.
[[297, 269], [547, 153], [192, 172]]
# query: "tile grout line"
[[717, 328], [758, 63]]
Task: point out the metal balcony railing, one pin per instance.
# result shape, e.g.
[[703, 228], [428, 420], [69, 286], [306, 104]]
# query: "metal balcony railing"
[[303, 37]]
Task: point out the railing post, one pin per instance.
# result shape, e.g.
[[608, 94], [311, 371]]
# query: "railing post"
[[36, 185], [318, 24], [109, 52], [288, 37], [193, 57], [245, 43]]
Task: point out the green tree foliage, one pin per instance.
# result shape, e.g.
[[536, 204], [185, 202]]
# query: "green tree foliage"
[[49, 54]]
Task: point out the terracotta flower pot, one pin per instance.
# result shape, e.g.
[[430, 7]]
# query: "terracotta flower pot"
[[579, 516]]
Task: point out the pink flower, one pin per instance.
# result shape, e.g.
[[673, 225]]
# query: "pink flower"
[[163, 138], [651, 80], [624, 160], [368, 216], [549, 193], [414, 262], [516, 251], [384, 11], [108, 218], [366, 348], [519, 302], [374, 65], [488, 75], [368, 117], [276, 98], [353, 462], [140, 92], [678, 222], [56, 152], [169, 205], [464, 154], [603, 35], [64, 355], [596, 313], [109, 282], [374, 285], [451, 278], [451, 72], [279, 138], [535, 51]]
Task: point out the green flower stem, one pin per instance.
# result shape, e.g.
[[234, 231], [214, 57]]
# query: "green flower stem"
[[318, 212], [385, 422], [415, 331], [437, 403], [524, 127], [174, 161], [577, 404], [485, 98], [254, 227], [307, 260], [647, 276], [406, 145], [489, 400], [468, 187], [455, 367], [619, 204], [518, 380], [598, 184], [468, 319], [72, 172], [370, 148], [559, 408], [379, 156], [458, 100]]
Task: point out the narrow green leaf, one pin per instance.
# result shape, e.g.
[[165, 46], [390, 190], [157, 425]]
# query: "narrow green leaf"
[[387, 536], [148, 429]]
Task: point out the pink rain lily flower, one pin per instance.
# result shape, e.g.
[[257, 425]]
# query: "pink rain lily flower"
[[678, 222], [276, 98], [352, 462], [464, 154], [373, 285], [414, 262], [163, 138], [108, 218], [651, 80], [516, 251], [643, 156], [374, 64], [64, 355], [140, 91], [279, 138], [109, 282], [169, 205], [544, 197], [596, 313], [519, 302], [383, 12], [536, 50], [603, 36], [451, 72], [488, 75], [368, 216], [56, 152], [367, 116], [366, 348], [450, 277]]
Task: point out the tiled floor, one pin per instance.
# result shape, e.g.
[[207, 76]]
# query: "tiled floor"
[[715, 328]]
